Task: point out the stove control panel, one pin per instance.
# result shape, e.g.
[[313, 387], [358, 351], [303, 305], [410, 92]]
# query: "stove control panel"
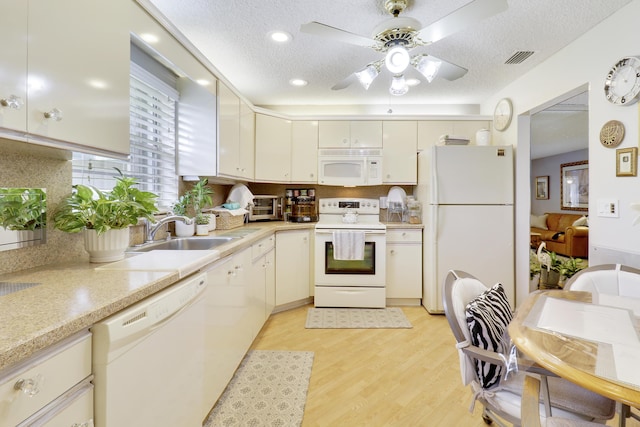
[[340, 206]]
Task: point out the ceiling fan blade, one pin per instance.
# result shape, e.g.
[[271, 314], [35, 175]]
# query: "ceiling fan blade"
[[337, 34], [461, 18], [448, 70], [345, 83]]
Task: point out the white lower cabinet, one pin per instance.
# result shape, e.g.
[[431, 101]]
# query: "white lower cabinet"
[[52, 388], [229, 328], [404, 266], [263, 282], [293, 266]]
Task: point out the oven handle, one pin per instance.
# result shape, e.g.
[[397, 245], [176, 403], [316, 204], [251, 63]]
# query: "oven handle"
[[330, 231]]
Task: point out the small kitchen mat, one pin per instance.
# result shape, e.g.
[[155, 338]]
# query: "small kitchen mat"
[[356, 318], [268, 389]]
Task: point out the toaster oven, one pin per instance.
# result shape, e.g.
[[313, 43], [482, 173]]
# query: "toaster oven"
[[265, 208]]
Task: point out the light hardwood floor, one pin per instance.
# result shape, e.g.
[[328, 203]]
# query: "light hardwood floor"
[[379, 377]]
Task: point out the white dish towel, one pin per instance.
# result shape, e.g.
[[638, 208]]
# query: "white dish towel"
[[348, 245]]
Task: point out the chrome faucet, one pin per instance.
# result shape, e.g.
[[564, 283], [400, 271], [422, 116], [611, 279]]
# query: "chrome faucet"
[[150, 229]]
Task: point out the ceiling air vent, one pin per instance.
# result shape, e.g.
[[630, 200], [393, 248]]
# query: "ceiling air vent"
[[519, 57]]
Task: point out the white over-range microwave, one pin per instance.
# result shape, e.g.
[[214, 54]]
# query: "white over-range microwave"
[[350, 166]]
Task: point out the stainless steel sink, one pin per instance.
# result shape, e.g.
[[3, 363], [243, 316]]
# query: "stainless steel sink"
[[184, 244]]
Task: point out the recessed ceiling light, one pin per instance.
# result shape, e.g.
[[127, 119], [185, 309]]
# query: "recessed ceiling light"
[[413, 82], [298, 82], [280, 36], [203, 82]]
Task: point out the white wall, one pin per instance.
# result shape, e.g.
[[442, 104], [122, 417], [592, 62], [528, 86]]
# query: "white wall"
[[582, 65], [550, 166]]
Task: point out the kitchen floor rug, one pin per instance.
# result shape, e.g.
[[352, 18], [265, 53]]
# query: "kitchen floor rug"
[[268, 389], [356, 318]]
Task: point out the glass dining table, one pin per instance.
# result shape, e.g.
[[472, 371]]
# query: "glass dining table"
[[590, 343]]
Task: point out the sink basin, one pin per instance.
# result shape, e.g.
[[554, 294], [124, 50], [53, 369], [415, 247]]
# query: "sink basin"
[[184, 244]]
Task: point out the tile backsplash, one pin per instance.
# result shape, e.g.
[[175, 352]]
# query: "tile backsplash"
[[27, 165]]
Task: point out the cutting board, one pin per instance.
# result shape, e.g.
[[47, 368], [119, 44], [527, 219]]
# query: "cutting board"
[[183, 262]]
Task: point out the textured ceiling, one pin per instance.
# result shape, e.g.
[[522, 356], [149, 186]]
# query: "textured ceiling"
[[233, 36]]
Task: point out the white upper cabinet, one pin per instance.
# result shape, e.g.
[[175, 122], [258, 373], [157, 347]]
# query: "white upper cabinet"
[[236, 135], [247, 141], [13, 71], [304, 151], [429, 132], [350, 134], [228, 132], [78, 72], [400, 152], [197, 129], [273, 149]]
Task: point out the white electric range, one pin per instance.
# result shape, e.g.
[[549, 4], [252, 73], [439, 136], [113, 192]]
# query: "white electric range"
[[357, 282]]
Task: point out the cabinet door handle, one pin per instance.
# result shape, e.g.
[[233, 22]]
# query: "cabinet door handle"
[[55, 115], [393, 251], [29, 386], [12, 101], [88, 423]]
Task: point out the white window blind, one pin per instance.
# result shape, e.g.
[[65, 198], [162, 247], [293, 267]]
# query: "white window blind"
[[152, 142]]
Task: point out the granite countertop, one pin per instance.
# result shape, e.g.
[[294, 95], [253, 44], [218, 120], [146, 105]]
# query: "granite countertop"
[[73, 296]]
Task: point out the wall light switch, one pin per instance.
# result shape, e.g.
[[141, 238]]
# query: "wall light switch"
[[607, 208]]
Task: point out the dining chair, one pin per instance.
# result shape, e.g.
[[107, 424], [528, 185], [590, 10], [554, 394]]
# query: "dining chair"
[[530, 409], [612, 284], [478, 317]]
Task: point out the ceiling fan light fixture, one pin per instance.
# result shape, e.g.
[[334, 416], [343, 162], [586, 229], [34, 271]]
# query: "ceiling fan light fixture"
[[412, 82], [426, 66], [398, 86], [397, 59], [367, 75]]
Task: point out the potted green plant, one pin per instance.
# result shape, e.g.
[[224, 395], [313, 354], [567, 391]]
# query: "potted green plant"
[[105, 217], [549, 269], [201, 195], [570, 267], [191, 204], [182, 207], [202, 224]]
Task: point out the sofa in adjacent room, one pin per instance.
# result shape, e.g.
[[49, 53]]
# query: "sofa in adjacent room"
[[563, 233]]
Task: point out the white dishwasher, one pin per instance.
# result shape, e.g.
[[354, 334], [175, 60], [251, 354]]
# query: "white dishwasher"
[[148, 360]]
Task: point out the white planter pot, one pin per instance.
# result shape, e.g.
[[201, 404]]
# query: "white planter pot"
[[202, 229], [107, 247], [184, 230], [212, 221]]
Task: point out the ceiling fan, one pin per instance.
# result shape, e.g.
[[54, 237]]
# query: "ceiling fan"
[[396, 36]]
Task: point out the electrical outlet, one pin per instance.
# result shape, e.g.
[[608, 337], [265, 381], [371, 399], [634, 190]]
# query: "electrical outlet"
[[607, 208]]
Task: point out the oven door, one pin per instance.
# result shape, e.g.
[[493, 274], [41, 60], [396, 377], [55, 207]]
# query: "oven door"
[[369, 272]]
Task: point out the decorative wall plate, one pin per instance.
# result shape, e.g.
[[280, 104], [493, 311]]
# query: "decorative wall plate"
[[612, 133]]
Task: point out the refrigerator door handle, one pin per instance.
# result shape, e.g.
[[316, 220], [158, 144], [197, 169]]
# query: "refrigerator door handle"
[[434, 176]]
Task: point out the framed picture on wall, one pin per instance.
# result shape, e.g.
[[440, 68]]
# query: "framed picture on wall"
[[574, 186], [627, 161], [542, 187]]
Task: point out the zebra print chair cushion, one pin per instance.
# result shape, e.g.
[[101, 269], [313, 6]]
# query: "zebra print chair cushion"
[[488, 316]]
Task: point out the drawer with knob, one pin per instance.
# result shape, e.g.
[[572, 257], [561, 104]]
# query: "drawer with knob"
[[31, 385]]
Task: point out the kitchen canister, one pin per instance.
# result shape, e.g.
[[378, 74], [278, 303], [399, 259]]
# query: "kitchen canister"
[[483, 137]]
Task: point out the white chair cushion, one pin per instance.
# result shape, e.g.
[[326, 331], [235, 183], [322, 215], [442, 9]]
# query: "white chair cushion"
[[463, 291]]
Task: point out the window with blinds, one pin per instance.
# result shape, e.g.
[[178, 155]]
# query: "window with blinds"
[[152, 142]]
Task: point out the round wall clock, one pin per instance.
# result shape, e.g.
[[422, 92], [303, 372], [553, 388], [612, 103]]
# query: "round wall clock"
[[502, 114], [622, 85], [612, 133]]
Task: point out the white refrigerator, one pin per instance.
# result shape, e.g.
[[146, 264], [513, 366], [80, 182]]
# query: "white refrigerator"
[[467, 194]]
